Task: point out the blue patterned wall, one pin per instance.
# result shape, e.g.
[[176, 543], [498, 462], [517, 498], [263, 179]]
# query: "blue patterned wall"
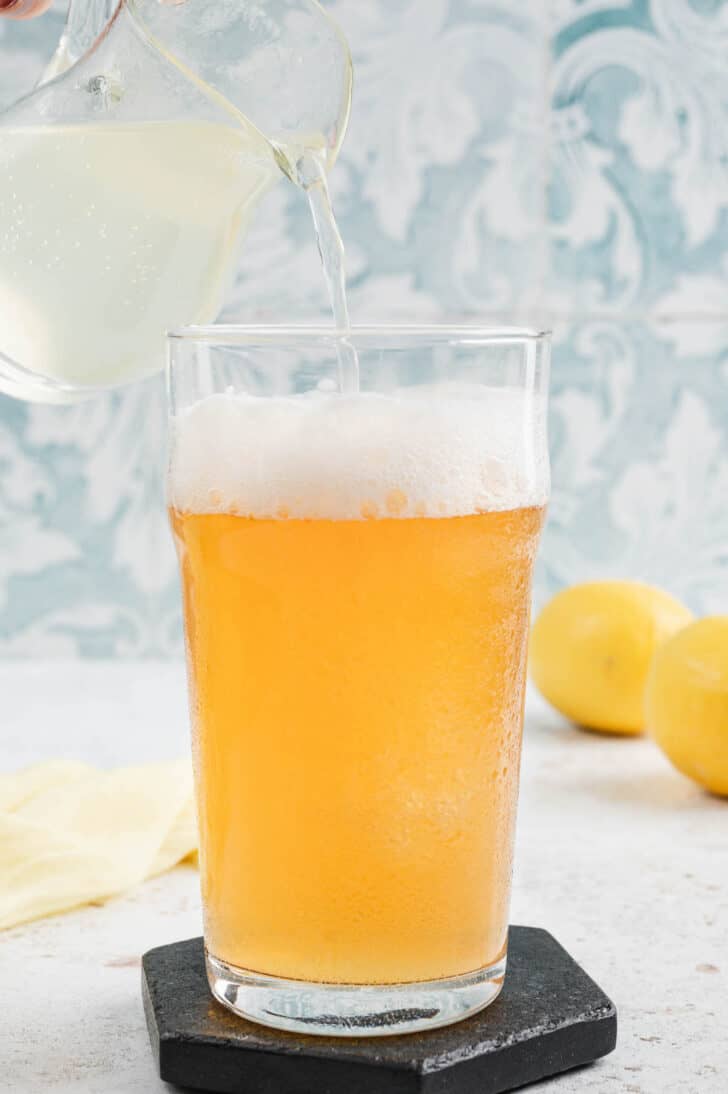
[[562, 161]]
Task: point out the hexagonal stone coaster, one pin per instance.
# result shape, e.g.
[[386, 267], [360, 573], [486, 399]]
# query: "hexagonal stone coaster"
[[549, 1018]]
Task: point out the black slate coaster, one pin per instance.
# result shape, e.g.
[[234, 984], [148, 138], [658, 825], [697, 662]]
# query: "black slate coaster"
[[550, 1017]]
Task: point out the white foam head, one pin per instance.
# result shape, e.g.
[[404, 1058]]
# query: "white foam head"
[[439, 451]]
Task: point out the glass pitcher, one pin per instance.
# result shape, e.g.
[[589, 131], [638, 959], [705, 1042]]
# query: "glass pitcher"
[[128, 178]]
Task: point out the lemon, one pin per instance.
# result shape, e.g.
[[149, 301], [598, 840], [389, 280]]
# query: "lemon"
[[686, 703], [591, 649]]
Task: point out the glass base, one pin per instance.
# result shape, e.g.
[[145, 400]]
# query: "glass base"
[[352, 1010]]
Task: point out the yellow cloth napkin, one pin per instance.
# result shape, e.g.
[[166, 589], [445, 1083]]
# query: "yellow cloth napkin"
[[70, 834]]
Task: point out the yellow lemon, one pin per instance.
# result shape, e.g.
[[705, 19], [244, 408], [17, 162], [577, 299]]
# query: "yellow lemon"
[[686, 703], [591, 649]]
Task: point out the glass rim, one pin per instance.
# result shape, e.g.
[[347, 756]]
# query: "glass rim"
[[241, 334]]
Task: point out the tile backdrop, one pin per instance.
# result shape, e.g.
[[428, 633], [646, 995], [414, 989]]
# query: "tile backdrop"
[[564, 161]]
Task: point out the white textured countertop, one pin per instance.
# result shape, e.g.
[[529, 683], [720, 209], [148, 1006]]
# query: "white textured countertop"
[[623, 860]]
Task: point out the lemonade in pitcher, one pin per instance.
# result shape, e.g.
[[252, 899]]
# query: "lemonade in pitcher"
[[111, 233], [127, 183]]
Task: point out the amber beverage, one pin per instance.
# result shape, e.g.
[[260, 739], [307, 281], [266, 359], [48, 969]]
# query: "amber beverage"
[[358, 703], [356, 573]]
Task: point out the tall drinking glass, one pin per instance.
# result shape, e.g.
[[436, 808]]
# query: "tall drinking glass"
[[356, 561]]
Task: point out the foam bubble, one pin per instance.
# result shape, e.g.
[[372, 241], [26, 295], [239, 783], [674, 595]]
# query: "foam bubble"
[[435, 452]]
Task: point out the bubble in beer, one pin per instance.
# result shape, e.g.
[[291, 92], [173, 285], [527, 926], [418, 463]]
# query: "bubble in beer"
[[396, 503]]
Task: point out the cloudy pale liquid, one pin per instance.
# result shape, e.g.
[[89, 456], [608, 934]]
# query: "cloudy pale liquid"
[[357, 693], [112, 234]]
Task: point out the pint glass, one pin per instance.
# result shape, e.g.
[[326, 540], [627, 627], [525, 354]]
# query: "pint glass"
[[356, 558]]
